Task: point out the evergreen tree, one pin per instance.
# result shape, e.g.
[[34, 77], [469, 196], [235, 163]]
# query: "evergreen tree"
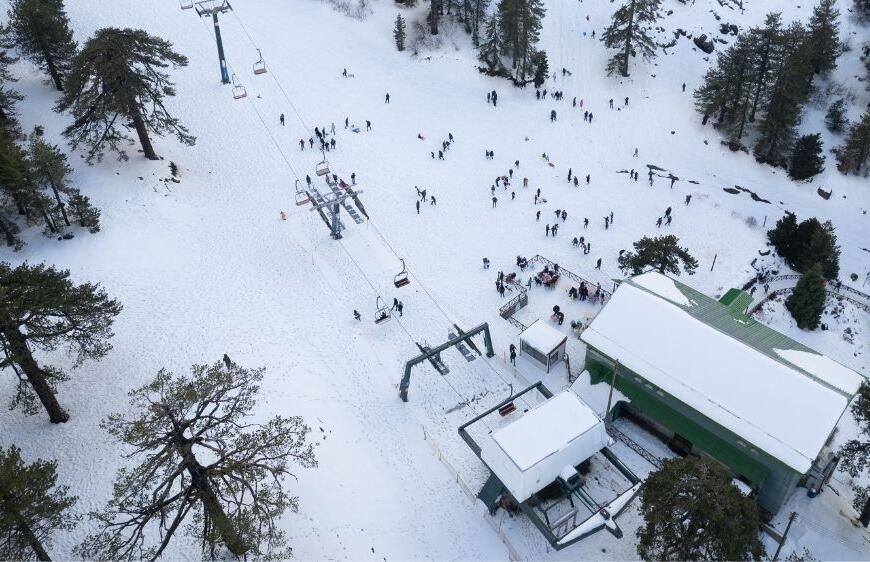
[[476, 18], [41, 308], [766, 46], [202, 459], [662, 253], [118, 77], [855, 454], [542, 68], [824, 37], [806, 158], [40, 30], [49, 168], [782, 112], [629, 33], [835, 118], [21, 196], [490, 49], [692, 511], [726, 91], [807, 301], [520, 24], [862, 9], [783, 236], [853, 155], [399, 32], [434, 16], [8, 98], [806, 244], [32, 506]]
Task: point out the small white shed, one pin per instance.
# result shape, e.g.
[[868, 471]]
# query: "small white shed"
[[543, 344], [546, 442]]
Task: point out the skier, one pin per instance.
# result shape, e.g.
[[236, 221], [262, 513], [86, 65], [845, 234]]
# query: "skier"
[[281, 119], [517, 163], [387, 98], [488, 97], [574, 103], [538, 94], [590, 117], [586, 116], [606, 223]]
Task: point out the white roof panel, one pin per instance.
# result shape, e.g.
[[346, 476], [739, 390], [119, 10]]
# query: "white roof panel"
[[542, 337], [545, 430], [772, 406]]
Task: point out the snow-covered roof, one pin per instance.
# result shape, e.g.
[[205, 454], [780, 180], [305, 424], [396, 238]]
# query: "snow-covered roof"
[[663, 286], [824, 368], [542, 337], [771, 405], [531, 452]]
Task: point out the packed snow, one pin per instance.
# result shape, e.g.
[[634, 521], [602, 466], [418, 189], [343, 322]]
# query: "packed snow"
[[206, 266]]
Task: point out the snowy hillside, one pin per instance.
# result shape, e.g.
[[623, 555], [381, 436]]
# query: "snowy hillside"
[[207, 266]]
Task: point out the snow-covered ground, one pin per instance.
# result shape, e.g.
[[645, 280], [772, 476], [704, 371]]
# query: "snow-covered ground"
[[206, 266]]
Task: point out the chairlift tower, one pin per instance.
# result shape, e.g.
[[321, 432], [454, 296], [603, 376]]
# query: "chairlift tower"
[[332, 204], [213, 8]]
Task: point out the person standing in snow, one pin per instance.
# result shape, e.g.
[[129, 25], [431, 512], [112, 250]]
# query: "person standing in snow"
[[564, 215], [308, 180], [626, 101], [513, 353], [585, 222], [387, 98], [353, 178], [433, 202], [368, 125], [400, 307], [668, 222], [684, 86], [598, 264], [587, 179], [659, 223], [538, 216], [494, 201], [688, 198], [301, 144], [611, 103], [668, 212], [548, 230], [418, 206], [356, 314], [281, 119], [552, 115], [569, 175]]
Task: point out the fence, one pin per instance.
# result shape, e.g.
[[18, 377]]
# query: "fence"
[[513, 555], [835, 289], [519, 301]]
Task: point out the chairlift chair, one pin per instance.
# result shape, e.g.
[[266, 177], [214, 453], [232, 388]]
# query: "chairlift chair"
[[382, 314], [239, 91], [186, 4], [401, 278], [301, 197], [322, 167], [260, 65]]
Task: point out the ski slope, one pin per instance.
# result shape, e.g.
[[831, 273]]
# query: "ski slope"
[[206, 266]]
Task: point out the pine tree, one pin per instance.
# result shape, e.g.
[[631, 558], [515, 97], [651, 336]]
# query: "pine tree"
[[727, 90], [40, 30], [201, 458], [853, 155], [862, 9], [434, 16], [8, 98], [21, 195], [692, 511], [41, 309], [835, 118], [542, 68], [629, 33], [807, 301], [806, 244], [662, 253], [766, 45], [806, 158], [32, 506], [824, 37], [399, 32], [855, 454], [520, 24], [476, 18], [118, 77], [49, 168], [782, 112], [491, 48]]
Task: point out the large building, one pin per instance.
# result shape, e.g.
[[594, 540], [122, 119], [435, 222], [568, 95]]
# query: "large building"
[[713, 381]]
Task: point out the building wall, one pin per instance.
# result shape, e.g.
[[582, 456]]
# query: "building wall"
[[773, 480]]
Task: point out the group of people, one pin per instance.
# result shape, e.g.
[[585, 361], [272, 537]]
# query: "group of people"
[[582, 293]]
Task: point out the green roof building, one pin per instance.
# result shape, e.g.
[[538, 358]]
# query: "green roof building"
[[713, 381]]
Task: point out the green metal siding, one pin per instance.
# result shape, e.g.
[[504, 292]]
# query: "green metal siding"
[[773, 480]]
